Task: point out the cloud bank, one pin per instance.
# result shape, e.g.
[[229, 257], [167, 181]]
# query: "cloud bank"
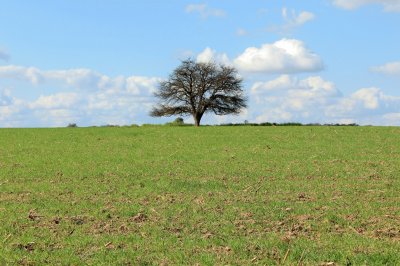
[[87, 97], [83, 96], [126, 100], [313, 99]]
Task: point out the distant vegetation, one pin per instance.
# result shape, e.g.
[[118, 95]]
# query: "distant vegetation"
[[180, 122], [284, 124], [72, 125]]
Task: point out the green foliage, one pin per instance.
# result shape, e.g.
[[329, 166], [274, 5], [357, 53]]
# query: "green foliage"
[[178, 122], [209, 196]]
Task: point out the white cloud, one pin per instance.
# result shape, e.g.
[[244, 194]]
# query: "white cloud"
[[369, 97], [295, 20], [6, 113], [391, 118], [284, 13], [59, 100], [92, 98], [313, 89], [210, 55], [313, 99], [291, 20], [6, 98], [302, 18], [30, 74], [282, 82], [80, 96], [391, 68], [388, 5], [284, 56], [10, 107], [81, 79], [204, 10], [365, 102], [367, 106], [287, 99], [58, 117], [142, 86]]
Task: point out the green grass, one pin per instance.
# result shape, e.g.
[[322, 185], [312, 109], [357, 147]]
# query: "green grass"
[[209, 195]]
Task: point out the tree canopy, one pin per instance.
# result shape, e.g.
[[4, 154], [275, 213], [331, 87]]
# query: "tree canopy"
[[197, 88]]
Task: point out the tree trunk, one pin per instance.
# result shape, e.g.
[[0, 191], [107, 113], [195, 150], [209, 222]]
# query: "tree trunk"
[[197, 118]]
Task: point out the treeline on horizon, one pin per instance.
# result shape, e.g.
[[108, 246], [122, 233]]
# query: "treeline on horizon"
[[269, 124], [263, 124]]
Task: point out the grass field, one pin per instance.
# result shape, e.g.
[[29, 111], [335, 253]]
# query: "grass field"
[[200, 196]]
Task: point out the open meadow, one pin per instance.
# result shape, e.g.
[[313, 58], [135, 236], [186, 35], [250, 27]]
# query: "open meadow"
[[162, 195]]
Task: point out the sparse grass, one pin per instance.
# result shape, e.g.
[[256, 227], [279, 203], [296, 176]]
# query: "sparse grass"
[[209, 195]]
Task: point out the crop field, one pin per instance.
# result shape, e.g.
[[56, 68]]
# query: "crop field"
[[200, 196]]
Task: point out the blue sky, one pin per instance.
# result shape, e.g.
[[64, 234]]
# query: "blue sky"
[[98, 62]]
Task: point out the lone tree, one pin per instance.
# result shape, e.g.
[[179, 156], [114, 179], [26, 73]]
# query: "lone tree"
[[197, 88]]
